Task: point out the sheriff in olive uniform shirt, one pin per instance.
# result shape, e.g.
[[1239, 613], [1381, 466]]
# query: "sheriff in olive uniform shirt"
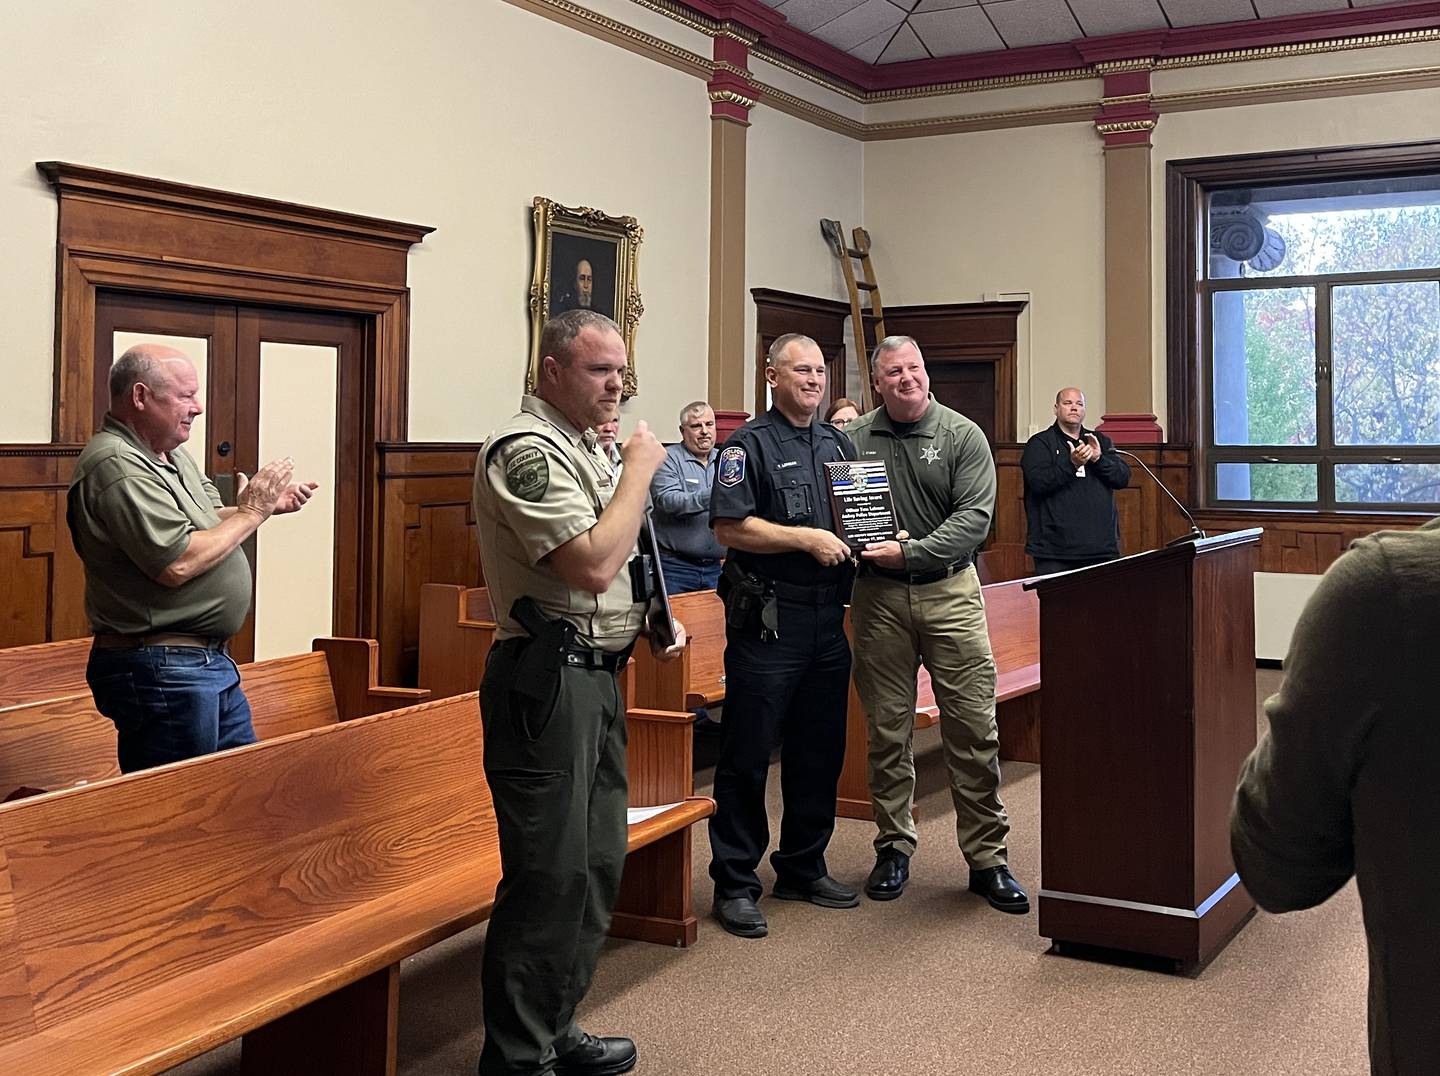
[[942, 478]]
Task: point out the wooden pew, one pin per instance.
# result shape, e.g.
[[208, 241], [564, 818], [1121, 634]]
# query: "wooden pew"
[[1013, 617], [43, 671], [56, 743], [457, 629], [268, 892], [697, 677]]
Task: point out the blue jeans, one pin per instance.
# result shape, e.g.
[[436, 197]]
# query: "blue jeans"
[[169, 702], [681, 576]]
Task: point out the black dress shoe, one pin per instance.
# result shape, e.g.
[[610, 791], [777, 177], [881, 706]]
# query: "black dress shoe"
[[826, 892], [594, 1056], [999, 887], [741, 917], [892, 871]]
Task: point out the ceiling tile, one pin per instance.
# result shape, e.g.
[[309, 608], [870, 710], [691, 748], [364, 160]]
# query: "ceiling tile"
[[949, 33], [1201, 12], [905, 5], [1032, 22], [1101, 17], [904, 46], [808, 14], [942, 5], [861, 24], [1269, 9], [869, 51]]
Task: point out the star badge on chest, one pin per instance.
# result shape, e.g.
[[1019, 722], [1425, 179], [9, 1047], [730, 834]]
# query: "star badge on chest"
[[930, 454]]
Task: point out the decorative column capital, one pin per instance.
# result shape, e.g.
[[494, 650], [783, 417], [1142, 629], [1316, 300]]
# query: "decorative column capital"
[[732, 94], [1127, 110]]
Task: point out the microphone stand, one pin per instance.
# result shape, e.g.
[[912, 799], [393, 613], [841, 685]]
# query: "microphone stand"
[[1195, 533]]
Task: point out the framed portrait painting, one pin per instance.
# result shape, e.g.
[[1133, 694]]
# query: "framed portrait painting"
[[584, 259]]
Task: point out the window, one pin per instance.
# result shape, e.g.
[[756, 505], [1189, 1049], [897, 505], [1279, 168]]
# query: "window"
[[1314, 329]]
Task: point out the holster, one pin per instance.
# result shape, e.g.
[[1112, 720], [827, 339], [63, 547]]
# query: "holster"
[[746, 597], [537, 670]]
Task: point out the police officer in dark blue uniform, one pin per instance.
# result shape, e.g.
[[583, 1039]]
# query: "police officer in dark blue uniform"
[[787, 660]]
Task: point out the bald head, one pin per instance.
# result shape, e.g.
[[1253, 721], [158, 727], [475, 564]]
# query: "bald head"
[[155, 391], [1070, 410], [145, 363]]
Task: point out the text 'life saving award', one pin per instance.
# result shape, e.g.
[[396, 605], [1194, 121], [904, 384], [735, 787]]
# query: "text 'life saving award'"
[[861, 503]]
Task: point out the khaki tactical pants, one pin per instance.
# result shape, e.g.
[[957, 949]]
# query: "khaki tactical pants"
[[897, 626]]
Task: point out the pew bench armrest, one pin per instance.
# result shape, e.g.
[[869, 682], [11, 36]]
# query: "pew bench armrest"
[[681, 816]]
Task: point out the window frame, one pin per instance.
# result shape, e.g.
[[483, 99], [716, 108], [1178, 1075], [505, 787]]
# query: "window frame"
[[1189, 308]]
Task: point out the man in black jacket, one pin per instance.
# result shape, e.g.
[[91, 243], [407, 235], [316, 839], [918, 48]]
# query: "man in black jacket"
[[1071, 474]]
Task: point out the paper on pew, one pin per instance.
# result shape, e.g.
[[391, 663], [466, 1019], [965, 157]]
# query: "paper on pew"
[[634, 815]]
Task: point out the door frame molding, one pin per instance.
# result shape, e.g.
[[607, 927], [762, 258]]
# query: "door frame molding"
[[166, 239]]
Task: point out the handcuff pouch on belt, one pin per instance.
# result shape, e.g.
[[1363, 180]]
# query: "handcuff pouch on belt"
[[537, 670], [750, 602]]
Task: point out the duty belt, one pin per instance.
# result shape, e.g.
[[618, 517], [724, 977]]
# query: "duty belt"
[[816, 595], [585, 657], [579, 657], [916, 578], [109, 641]]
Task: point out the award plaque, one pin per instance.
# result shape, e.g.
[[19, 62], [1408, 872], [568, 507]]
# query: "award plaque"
[[861, 503], [659, 620]]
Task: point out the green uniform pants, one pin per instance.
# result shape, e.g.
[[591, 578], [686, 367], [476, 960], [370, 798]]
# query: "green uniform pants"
[[897, 626], [557, 775]]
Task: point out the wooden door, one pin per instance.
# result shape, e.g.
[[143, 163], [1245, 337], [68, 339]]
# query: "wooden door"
[[274, 383]]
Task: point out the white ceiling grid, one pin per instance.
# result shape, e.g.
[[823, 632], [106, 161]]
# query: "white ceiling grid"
[[893, 31]]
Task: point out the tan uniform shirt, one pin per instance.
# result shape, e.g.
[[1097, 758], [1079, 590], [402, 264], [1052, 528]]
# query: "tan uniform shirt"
[[539, 482], [131, 515]]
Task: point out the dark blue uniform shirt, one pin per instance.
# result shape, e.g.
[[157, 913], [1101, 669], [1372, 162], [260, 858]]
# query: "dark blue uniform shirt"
[[771, 469]]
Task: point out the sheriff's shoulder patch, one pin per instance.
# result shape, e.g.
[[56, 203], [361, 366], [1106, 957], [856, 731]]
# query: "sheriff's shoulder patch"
[[527, 472], [732, 466]]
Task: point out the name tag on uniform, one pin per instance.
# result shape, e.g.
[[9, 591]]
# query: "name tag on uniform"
[[693, 481], [787, 463]]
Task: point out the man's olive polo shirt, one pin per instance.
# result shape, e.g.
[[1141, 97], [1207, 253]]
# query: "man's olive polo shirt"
[[131, 516]]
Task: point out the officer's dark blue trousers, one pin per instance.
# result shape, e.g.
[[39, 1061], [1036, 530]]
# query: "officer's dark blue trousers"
[[793, 689]]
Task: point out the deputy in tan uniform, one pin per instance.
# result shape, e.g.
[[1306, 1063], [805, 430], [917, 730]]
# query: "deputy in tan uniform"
[[557, 532], [918, 599]]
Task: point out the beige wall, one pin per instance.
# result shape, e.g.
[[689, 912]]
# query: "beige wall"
[[797, 173], [480, 105], [963, 218]]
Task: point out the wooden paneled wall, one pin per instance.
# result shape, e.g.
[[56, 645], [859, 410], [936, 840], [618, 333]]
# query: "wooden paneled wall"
[[426, 535], [44, 582]]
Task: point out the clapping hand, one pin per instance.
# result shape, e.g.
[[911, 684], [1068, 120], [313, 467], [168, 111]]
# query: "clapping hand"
[[271, 492]]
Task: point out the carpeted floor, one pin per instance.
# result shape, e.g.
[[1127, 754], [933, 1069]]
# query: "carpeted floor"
[[935, 982]]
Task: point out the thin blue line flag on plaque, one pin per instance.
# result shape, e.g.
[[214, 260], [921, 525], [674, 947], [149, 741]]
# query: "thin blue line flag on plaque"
[[860, 502]]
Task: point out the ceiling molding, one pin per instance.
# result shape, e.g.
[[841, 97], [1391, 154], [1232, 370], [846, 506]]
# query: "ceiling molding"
[[812, 59], [572, 15], [618, 33]]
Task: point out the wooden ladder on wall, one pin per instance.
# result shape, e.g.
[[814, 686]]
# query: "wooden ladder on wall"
[[867, 283]]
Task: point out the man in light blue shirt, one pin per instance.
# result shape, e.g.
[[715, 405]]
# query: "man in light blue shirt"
[[680, 491]]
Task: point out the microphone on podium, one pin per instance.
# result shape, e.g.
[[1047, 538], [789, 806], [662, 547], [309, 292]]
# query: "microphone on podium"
[[1195, 533]]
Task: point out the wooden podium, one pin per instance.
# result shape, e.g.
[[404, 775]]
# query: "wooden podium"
[[1147, 713]]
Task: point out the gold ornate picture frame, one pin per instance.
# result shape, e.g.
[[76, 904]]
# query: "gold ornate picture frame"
[[585, 259]]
